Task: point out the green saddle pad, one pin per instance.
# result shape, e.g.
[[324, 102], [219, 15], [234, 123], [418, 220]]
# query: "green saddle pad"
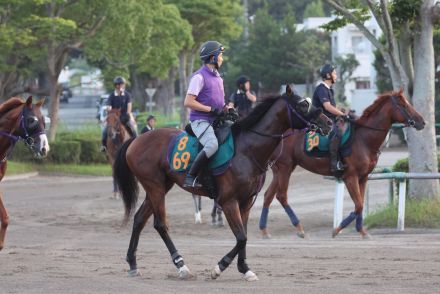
[[184, 149], [317, 142]]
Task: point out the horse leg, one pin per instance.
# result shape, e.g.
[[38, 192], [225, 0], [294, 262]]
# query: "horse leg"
[[115, 190], [220, 222], [241, 263], [158, 202], [359, 218], [214, 213], [140, 219], [268, 198], [4, 221], [232, 213], [283, 185], [197, 205], [352, 184]]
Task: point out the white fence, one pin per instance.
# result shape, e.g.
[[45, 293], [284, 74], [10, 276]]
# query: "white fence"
[[399, 176]]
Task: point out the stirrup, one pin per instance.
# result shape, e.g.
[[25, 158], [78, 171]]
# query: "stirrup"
[[193, 184]]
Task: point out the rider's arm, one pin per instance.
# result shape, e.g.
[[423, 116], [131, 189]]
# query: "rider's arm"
[[129, 107], [333, 110], [191, 102], [251, 97]]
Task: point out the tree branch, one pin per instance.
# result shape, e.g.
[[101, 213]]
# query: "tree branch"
[[376, 15], [345, 12]]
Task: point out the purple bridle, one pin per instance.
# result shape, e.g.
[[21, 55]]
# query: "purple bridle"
[[28, 139]]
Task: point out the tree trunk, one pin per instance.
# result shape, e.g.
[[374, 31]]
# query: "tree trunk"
[[138, 89], [422, 145], [183, 85], [405, 49], [54, 106]]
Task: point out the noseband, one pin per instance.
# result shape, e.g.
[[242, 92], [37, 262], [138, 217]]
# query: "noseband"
[[410, 122]]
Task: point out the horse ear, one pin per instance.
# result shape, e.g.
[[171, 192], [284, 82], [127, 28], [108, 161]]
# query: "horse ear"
[[288, 90], [40, 103], [29, 101]]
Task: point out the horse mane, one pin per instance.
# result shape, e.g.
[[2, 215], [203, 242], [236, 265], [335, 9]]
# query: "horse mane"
[[255, 115], [10, 104], [381, 99]]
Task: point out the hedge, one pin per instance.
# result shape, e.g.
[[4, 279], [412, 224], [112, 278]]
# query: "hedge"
[[402, 164], [65, 152]]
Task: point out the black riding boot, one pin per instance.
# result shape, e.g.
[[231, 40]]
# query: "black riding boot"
[[190, 180], [336, 166]]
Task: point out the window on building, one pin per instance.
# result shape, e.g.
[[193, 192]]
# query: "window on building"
[[358, 44], [362, 83]]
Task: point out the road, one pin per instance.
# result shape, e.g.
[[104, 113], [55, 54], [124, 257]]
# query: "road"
[[66, 236]]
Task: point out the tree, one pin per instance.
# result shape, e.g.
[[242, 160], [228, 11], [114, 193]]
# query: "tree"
[[346, 66], [314, 9], [407, 25], [209, 20]]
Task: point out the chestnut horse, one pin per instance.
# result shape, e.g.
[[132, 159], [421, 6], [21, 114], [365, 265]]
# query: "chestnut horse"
[[370, 131], [19, 120], [116, 136], [255, 138]]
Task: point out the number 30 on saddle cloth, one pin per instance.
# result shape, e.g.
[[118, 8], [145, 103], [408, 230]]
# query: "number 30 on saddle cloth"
[[317, 145], [183, 149]]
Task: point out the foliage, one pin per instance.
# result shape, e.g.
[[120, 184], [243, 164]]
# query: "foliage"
[[314, 9], [15, 168], [51, 168], [290, 56], [65, 152], [402, 164], [346, 65], [418, 214]]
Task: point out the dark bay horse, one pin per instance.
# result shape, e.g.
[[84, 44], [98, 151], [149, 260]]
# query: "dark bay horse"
[[255, 138], [116, 136], [19, 120], [369, 134]]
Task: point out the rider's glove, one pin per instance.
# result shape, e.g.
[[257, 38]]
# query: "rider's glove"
[[215, 111], [345, 117]]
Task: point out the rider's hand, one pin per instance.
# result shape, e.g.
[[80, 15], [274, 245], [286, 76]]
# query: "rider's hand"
[[217, 112], [345, 117]]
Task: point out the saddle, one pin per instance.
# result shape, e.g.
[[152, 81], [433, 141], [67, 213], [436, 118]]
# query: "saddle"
[[185, 146], [317, 145]]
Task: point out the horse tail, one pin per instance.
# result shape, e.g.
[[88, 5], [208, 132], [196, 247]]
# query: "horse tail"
[[125, 179]]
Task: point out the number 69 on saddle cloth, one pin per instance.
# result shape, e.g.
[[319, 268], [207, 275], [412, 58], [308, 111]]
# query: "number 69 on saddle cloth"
[[183, 149]]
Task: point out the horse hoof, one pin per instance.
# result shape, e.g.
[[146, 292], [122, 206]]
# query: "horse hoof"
[[366, 236], [215, 273], [184, 273], [197, 218], [302, 235], [249, 276], [134, 273]]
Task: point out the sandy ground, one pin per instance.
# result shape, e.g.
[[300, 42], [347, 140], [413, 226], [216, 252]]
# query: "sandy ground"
[[66, 237]]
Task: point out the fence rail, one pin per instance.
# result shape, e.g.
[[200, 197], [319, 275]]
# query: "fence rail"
[[401, 177]]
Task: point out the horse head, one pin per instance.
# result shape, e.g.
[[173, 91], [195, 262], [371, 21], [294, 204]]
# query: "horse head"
[[405, 113], [308, 113], [32, 128], [114, 123]]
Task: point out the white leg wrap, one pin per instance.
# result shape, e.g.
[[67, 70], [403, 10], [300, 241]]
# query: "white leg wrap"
[[216, 272], [250, 276]]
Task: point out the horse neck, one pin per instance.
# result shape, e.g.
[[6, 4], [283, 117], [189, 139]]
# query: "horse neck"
[[379, 119], [274, 122], [6, 142]]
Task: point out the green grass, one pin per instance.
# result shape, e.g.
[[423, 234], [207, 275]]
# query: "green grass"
[[15, 168], [72, 169], [418, 214]]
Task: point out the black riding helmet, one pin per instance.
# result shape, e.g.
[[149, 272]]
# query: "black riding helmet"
[[326, 70], [242, 80], [210, 48], [119, 80]]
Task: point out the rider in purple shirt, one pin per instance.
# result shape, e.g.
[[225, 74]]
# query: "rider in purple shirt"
[[206, 99]]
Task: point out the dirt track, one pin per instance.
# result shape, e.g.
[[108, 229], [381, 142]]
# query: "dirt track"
[[65, 237]]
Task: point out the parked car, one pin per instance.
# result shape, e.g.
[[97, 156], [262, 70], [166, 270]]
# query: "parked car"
[[66, 93]]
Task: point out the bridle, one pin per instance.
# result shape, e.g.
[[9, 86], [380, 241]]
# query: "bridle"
[[29, 132], [410, 122], [309, 126]]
